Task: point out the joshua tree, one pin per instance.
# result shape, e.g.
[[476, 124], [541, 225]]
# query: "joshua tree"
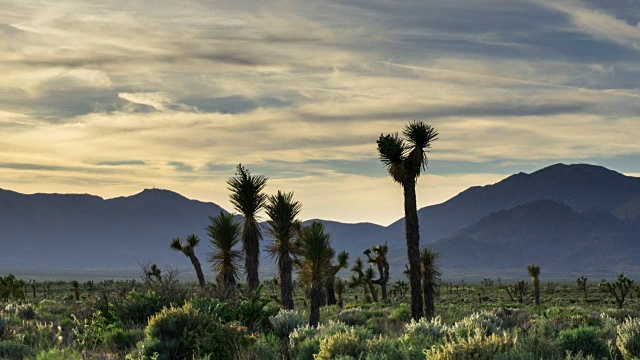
[[340, 288], [76, 289], [379, 259], [582, 284], [534, 273], [405, 162], [365, 278], [430, 279], [283, 226], [316, 253], [247, 198], [153, 272], [342, 263], [224, 234], [619, 289], [517, 291], [189, 251]]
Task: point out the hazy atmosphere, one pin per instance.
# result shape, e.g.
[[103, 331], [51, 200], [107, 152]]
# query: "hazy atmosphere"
[[113, 97]]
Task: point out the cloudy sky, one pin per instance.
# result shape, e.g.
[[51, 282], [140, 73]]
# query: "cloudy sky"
[[111, 97]]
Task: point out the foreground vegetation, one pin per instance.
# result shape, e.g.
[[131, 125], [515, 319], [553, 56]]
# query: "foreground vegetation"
[[167, 319]]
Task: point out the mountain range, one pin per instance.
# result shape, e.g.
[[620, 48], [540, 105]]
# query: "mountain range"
[[570, 219]]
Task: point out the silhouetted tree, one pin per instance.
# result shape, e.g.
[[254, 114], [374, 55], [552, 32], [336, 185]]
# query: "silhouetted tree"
[[619, 289], [405, 162], [341, 263], [430, 270], [534, 273], [224, 234], [379, 259], [248, 198], [582, 284], [283, 226], [188, 250]]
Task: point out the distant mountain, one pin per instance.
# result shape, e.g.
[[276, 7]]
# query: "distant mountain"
[[546, 233], [564, 217], [581, 187], [68, 231]]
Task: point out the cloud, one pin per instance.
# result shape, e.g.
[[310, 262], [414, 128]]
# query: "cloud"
[[109, 98]]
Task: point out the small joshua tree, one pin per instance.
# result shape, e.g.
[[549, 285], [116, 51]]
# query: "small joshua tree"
[[76, 289], [340, 288], [517, 291], [534, 273], [619, 289], [188, 250], [582, 284], [379, 259]]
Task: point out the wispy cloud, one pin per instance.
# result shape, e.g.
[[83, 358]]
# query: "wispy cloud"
[[108, 98]]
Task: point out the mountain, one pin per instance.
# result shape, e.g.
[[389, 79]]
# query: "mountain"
[[580, 186], [546, 233], [67, 231], [567, 218]]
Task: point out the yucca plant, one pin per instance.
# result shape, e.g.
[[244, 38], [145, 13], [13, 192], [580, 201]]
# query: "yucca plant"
[[224, 234], [188, 250], [248, 198], [405, 162], [534, 273], [430, 279], [283, 226]]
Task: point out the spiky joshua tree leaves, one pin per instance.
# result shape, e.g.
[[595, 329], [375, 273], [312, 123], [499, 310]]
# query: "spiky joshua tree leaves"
[[224, 234], [188, 250], [405, 162], [430, 271], [248, 198], [316, 253], [283, 226], [534, 273]]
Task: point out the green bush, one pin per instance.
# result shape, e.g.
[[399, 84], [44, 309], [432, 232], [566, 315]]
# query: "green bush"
[[267, 347], [305, 340], [3, 327], [401, 313], [26, 312], [57, 354], [10, 350], [383, 348], [285, 321], [628, 338], [584, 339], [341, 344], [119, 340], [137, 308], [421, 335], [184, 332], [353, 317], [476, 346], [489, 323], [90, 333], [223, 310]]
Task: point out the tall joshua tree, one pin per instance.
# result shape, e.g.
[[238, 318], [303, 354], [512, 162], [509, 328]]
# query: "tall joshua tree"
[[534, 273], [405, 162], [379, 259], [430, 279], [316, 253], [188, 250], [247, 198], [342, 263], [283, 226], [365, 278], [224, 234]]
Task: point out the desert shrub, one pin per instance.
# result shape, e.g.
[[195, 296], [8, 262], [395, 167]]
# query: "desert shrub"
[[10, 350], [184, 332], [305, 340], [401, 313], [585, 339], [3, 327], [421, 335], [254, 313], [57, 354], [476, 346], [41, 335], [285, 321], [540, 346], [90, 333], [137, 307], [578, 356], [488, 322], [267, 347], [383, 348], [353, 316], [26, 312], [628, 338], [341, 344], [223, 310], [119, 340]]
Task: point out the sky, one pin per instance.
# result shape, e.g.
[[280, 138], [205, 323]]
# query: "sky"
[[111, 97]]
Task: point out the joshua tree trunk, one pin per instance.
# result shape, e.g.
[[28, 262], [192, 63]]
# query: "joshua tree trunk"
[[286, 282], [373, 291], [198, 268], [413, 246], [429, 305], [329, 289], [251, 246], [315, 302], [536, 290]]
